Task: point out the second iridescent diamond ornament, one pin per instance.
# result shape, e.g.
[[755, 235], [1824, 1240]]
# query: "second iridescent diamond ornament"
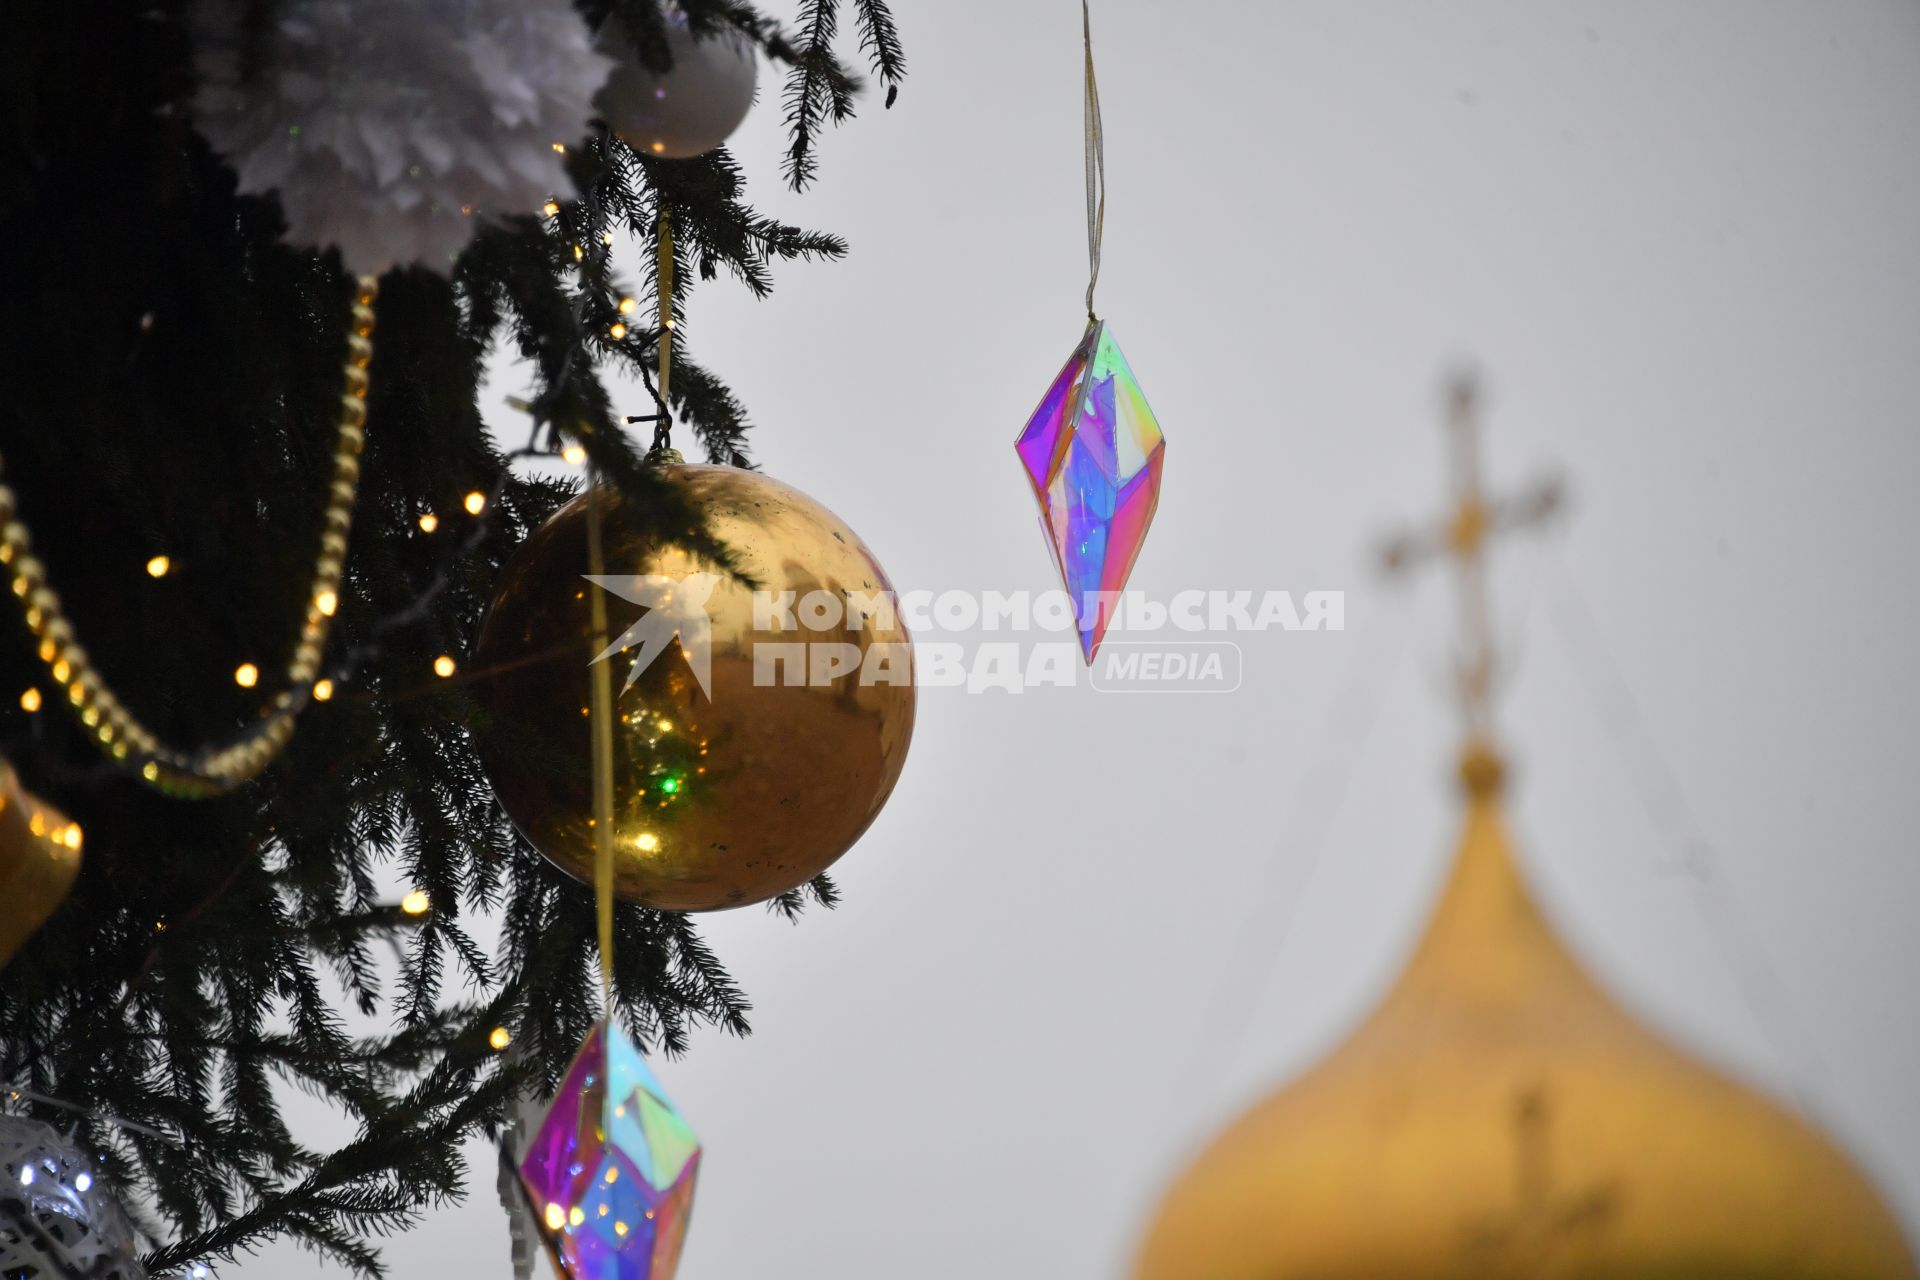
[[1093, 448], [609, 1172]]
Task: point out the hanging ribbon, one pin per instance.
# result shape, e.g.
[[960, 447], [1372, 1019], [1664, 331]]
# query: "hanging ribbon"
[[663, 285], [1096, 153], [600, 719], [601, 724]]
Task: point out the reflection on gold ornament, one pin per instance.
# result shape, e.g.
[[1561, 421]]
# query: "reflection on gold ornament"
[[723, 796], [39, 857]]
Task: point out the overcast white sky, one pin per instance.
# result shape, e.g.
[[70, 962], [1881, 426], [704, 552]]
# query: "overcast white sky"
[[1680, 239]]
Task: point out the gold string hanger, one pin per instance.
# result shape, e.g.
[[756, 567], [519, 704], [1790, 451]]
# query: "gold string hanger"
[[663, 276], [600, 718], [1096, 159], [600, 725], [122, 736]]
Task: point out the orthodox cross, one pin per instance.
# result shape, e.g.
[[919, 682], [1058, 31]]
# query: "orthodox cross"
[[1461, 536]]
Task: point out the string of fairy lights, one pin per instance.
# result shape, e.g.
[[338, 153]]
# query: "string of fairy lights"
[[121, 735], [477, 503], [216, 769]]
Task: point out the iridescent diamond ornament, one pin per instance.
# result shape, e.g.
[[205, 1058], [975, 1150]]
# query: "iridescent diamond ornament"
[[1092, 450], [611, 1168]]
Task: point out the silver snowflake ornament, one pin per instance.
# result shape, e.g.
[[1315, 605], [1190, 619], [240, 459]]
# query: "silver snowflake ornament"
[[58, 1217]]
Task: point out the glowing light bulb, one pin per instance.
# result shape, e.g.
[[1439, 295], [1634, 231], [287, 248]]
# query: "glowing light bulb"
[[573, 455], [83, 1183], [629, 305], [575, 1216], [246, 675], [322, 690], [26, 1175], [416, 902], [616, 331], [443, 666], [551, 208], [30, 700], [560, 148], [500, 1038], [646, 842], [556, 1217], [158, 566], [326, 602], [429, 522], [475, 502]]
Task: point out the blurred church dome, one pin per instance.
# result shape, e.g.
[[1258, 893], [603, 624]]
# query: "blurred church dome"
[[1499, 1115]]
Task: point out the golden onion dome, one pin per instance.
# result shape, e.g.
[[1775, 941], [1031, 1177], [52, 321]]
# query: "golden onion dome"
[[1498, 1115]]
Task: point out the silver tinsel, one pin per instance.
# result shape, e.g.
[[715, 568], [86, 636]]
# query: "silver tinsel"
[[389, 126], [58, 1217]]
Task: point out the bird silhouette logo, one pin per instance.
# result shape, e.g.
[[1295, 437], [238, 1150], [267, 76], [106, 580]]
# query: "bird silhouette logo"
[[676, 609]]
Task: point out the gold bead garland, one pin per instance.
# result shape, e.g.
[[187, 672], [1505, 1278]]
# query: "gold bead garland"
[[220, 768]]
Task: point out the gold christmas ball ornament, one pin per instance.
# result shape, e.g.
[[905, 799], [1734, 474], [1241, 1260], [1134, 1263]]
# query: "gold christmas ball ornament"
[[759, 724], [39, 857]]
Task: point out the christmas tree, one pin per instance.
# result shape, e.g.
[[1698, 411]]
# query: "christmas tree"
[[170, 434]]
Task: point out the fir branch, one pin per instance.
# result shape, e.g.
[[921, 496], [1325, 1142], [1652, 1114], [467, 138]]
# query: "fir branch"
[[819, 90], [881, 41]]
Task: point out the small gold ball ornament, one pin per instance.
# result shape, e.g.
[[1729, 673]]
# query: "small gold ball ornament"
[[757, 733], [39, 857]]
